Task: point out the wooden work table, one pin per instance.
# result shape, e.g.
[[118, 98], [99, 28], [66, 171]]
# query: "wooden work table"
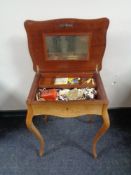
[[67, 48]]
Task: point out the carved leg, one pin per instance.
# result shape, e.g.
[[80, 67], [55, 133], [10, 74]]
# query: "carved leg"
[[34, 130], [102, 130]]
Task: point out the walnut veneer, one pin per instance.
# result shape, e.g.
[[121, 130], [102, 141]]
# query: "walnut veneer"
[[50, 69]]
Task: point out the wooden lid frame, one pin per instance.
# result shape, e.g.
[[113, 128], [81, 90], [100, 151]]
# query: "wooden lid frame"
[[96, 28]]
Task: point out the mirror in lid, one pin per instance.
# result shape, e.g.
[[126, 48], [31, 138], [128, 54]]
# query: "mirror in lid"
[[67, 47]]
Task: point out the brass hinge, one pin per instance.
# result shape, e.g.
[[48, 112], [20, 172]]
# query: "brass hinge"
[[97, 68], [37, 69]]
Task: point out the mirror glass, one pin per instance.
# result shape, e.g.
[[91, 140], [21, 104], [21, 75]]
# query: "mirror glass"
[[67, 47]]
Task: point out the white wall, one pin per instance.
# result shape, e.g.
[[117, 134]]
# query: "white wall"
[[16, 71]]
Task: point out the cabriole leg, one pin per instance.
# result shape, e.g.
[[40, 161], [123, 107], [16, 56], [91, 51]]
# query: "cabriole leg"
[[102, 130], [34, 130]]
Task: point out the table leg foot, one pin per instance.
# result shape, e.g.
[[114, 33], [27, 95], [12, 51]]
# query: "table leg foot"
[[30, 125], [101, 131]]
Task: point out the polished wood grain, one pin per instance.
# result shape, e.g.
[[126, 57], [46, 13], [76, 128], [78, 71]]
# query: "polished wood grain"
[[67, 110], [30, 125], [102, 130], [97, 29], [46, 71]]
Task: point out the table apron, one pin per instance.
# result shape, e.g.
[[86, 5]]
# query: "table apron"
[[66, 110]]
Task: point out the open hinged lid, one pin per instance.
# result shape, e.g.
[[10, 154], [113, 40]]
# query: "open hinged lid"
[[67, 45]]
